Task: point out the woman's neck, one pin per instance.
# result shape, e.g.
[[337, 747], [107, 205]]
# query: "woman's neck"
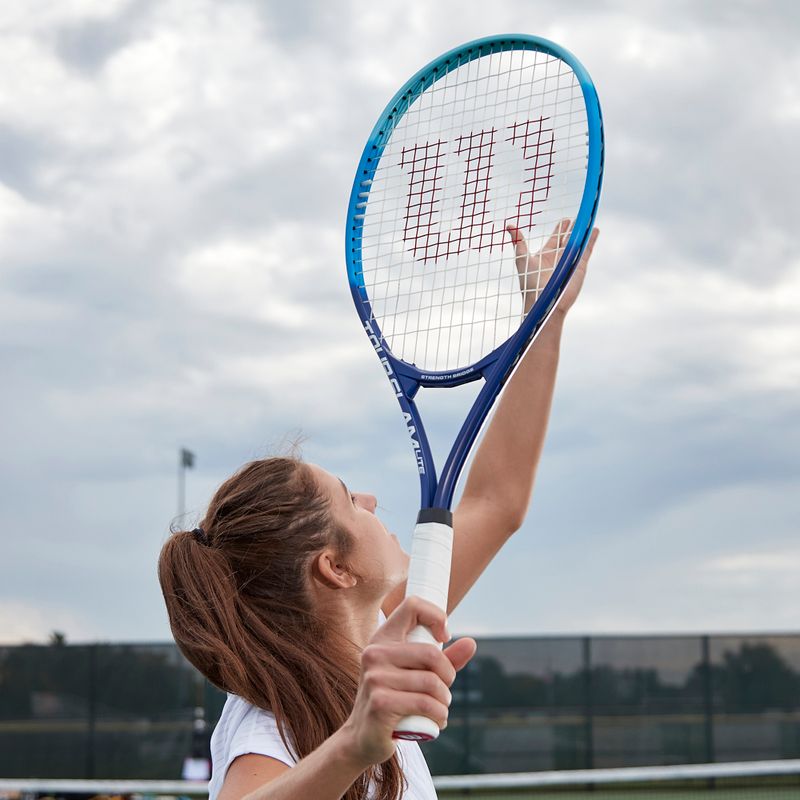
[[353, 616]]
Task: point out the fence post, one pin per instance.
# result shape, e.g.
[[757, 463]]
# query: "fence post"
[[466, 761], [588, 704], [708, 700], [91, 711]]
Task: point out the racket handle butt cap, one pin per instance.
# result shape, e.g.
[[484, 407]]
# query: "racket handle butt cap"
[[417, 729]]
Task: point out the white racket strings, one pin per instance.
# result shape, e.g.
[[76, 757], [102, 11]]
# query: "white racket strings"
[[501, 140]]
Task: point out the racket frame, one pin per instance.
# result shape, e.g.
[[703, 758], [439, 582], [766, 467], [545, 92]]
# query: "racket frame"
[[496, 367]]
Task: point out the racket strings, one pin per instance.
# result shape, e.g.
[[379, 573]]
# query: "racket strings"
[[498, 142]]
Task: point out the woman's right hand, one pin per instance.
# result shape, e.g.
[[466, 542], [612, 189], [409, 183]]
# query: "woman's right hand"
[[400, 678]]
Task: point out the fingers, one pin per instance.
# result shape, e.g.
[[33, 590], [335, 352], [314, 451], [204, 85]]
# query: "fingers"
[[415, 681], [411, 612], [580, 270], [410, 656], [400, 679], [573, 288], [398, 704], [531, 269], [521, 257], [520, 247], [557, 241], [459, 653], [590, 246], [389, 648], [559, 237]]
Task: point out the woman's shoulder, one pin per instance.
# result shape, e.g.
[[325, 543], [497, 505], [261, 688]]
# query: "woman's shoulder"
[[237, 707], [243, 725], [244, 729]]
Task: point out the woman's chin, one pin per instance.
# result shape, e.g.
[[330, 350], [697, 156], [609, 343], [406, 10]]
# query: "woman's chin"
[[401, 576]]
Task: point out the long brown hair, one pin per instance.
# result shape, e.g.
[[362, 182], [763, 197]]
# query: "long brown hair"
[[241, 611]]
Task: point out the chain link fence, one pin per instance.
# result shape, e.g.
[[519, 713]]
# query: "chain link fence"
[[523, 704]]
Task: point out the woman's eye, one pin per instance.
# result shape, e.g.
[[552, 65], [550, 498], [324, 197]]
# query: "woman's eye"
[[353, 499]]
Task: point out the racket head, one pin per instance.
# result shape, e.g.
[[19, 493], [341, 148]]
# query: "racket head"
[[434, 282]]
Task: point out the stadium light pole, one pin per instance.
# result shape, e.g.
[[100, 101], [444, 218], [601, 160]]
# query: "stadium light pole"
[[197, 765], [186, 460]]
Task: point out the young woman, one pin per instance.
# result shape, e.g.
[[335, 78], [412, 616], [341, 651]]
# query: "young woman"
[[280, 596]]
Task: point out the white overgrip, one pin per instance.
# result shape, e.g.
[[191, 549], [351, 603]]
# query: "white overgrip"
[[428, 578]]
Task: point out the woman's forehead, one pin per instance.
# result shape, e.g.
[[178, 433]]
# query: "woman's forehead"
[[327, 480]]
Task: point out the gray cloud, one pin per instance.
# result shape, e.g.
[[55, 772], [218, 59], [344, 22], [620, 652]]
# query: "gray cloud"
[[171, 214], [86, 44]]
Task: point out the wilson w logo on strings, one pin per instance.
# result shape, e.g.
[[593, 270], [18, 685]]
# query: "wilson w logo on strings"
[[474, 228]]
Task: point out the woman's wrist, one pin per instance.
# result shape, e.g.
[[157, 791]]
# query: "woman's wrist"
[[552, 330], [345, 744]]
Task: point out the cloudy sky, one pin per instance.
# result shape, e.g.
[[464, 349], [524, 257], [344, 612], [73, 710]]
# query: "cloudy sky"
[[173, 181]]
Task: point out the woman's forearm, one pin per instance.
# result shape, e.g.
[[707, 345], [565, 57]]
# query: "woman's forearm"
[[325, 774], [505, 464]]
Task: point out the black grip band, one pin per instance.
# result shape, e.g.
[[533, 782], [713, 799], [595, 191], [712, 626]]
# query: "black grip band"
[[443, 516]]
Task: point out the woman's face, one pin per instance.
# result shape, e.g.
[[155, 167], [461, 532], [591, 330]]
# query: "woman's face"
[[377, 557]]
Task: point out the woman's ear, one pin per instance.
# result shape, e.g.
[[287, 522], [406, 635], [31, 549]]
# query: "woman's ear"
[[329, 571]]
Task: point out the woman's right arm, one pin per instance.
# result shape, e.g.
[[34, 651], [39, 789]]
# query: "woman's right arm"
[[398, 679]]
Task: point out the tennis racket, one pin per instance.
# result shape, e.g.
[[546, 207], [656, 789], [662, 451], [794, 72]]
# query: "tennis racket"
[[492, 146]]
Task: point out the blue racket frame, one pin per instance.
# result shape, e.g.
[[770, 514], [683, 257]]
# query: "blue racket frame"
[[496, 367]]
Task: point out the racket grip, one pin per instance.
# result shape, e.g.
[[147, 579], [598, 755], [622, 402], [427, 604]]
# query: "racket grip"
[[428, 578]]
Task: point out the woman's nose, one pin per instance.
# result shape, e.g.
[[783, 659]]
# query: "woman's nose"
[[370, 502]]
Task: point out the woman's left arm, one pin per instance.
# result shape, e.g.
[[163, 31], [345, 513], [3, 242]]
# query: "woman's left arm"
[[500, 481]]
